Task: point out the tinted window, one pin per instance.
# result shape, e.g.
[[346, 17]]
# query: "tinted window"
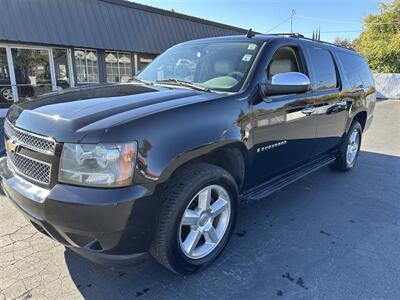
[[61, 67], [356, 70], [284, 60], [324, 68], [32, 72], [6, 96]]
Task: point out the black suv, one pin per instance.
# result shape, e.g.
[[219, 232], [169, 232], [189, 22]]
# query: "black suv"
[[159, 165]]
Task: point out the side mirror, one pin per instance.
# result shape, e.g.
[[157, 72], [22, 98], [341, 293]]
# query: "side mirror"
[[288, 83]]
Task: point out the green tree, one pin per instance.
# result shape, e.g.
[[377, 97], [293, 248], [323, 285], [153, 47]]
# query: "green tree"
[[344, 42], [380, 40]]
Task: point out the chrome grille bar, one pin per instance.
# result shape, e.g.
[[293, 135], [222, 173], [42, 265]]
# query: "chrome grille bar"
[[46, 145], [33, 169]]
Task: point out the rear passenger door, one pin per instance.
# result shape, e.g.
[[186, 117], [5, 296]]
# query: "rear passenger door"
[[359, 90], [331, 108]]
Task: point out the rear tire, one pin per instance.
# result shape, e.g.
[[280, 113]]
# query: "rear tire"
[[197, 218], [348, 152]]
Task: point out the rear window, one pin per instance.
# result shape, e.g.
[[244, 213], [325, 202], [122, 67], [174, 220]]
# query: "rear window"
[[324, 69], [356, 70]]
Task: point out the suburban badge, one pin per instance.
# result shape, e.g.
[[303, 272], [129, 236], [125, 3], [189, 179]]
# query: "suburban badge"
[[272, 146]]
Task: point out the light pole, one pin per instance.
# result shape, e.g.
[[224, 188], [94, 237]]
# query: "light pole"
[[291, 20]]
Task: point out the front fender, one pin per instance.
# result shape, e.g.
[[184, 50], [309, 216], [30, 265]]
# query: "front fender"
[[200, 153], [169, 139]]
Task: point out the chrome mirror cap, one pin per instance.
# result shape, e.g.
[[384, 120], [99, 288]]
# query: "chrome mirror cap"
[[291, 78]]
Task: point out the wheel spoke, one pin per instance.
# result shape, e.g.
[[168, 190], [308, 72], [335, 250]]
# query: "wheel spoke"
[[205, 198], [190, 217], [218, 206], [211, 236], [353, 137], [191, 241]]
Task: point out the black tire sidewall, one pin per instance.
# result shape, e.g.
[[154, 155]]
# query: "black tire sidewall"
[[177, 259]]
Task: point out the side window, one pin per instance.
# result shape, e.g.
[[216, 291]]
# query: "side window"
[[284, 60], [324, 69], [356, 70]]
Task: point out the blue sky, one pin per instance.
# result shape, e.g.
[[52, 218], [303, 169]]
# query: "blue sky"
[[340, 18]]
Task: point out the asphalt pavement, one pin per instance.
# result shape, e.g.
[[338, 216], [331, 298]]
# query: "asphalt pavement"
[[330, 235]]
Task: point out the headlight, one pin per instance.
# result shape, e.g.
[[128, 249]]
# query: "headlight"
[[100, 165]]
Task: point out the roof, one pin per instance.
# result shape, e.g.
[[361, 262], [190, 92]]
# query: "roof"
[[278, 36], [102, 24]]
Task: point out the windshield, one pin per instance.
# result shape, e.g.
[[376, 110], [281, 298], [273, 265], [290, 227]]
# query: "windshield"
[[219, 66]]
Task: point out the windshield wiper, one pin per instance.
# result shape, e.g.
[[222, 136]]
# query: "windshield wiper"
[[135, 78], [174, 81]]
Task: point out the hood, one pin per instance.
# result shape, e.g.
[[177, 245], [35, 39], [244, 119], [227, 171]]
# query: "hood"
[[73, 114]]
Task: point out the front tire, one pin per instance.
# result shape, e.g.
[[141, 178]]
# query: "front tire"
[[197, 218], [348, 152]]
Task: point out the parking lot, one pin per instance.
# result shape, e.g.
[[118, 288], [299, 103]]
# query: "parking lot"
[[329, 235]]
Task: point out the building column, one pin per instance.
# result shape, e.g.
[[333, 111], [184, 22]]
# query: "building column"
[[74, 67], [101, 62], [71, 70], [52, 70], [12, 74], [135, 62]]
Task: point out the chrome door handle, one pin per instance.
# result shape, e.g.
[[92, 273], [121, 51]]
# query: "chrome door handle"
[[308, 111]]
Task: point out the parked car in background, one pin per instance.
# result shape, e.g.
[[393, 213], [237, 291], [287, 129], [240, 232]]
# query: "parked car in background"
[[159, 165], [6, 94]]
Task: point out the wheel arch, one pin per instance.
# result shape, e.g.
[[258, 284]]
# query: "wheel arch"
[[360, 116], [230, 156]]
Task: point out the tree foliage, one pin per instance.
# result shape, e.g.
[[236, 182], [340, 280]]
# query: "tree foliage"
[[380, 40], [344, 42]]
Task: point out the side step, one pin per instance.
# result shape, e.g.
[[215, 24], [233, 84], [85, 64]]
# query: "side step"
[[275, 184]]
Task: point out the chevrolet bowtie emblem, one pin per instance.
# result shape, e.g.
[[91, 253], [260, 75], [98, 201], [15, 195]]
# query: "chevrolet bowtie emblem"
[[12, 145]]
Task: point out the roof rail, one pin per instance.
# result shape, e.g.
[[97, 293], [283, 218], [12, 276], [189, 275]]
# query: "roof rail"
[[300, 36], [290, 34]]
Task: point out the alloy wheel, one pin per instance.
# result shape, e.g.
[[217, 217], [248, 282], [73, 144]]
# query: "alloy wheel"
[[205, 222], [352, 147], [7, 95]]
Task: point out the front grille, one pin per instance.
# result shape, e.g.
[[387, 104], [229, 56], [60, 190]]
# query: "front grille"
[[30, 140], [33, 169], [21, 163]]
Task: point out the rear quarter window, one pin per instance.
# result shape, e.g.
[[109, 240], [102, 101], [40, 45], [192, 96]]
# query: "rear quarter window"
[[356, 70], [324, 69]]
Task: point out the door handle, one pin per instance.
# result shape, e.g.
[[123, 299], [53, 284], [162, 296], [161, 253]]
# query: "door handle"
[[308, 111]]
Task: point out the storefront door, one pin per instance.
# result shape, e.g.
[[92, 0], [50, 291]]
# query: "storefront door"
[[30, 71]]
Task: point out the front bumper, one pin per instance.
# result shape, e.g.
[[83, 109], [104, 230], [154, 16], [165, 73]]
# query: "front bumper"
[[104, 225]]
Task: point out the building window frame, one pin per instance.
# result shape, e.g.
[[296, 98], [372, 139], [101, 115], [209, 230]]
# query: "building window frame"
[[142, 60], [119, 66], [86, 66]]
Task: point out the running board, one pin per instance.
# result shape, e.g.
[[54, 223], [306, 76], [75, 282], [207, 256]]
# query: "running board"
[[275, 184]]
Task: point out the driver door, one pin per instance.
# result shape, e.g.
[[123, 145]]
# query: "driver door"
[[284, 125]]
